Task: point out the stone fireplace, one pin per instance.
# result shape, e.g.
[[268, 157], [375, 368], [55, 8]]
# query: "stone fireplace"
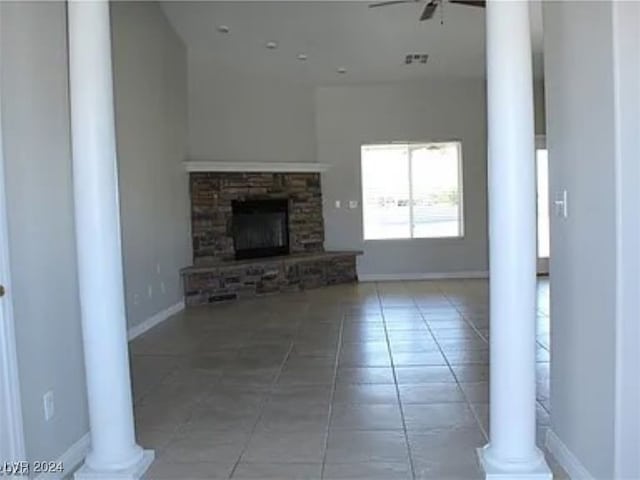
[[213, 195], [259, 232]]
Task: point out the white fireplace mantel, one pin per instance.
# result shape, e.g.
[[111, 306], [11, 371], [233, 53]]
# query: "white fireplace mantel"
[[216, 166]]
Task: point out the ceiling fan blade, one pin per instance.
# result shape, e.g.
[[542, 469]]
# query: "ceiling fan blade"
[[471, 3], [429, 10], [389, 2]]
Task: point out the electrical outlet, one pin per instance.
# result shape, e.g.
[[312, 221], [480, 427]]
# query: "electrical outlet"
[[136, 299], [338, 204], [49, 405], [163, 288], [150, 291], [158, 268], [353, 204]]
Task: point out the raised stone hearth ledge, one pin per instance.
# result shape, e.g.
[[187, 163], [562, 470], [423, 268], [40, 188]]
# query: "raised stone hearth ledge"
[[289, 167], [234, 279]]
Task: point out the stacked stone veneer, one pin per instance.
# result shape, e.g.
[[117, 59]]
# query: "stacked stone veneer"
[[216, 275], [213, 192], [248, 278]]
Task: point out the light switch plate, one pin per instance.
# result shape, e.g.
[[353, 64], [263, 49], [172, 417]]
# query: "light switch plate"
[[561, 204]]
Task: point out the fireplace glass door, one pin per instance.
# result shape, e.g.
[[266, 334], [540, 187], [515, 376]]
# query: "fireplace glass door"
[[260, 228]]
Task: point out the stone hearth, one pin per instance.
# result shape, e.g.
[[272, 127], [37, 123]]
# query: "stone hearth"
[[248, 278]]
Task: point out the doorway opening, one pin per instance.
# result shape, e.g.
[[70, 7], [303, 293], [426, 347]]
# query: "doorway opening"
[[542, 193]]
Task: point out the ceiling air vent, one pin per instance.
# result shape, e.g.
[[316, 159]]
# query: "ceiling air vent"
[[412, 58]]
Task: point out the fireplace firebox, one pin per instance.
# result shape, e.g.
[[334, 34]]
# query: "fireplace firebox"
[[260, 228]]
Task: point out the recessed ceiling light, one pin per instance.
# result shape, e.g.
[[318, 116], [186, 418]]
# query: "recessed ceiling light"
[[302, 56], [271, 45], [342, 70], [223, 29]]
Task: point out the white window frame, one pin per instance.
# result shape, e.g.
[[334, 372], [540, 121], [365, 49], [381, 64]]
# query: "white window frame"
[[410, 144]]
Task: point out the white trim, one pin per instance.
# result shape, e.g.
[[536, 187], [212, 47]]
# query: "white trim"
[[134, 472], [566, 458], [211, 166], [156, 319], [70, 459], [10, 402], [536, 469], [393, 277]]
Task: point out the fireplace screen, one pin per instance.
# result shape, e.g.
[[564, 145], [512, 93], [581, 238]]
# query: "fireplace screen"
[[260, 228]]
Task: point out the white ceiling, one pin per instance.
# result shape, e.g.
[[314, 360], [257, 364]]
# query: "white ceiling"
[[370, 43]]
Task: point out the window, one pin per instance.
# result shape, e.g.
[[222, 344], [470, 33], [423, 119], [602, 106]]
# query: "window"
[[412, 190]]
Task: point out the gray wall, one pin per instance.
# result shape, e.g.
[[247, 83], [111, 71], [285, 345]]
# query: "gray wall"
[[236, 117], [150, 82], [581, 140], [37, 151], [347, 117], [233, 116]]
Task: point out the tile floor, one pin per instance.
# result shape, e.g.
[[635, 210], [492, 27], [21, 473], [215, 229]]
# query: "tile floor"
[[367, 381]]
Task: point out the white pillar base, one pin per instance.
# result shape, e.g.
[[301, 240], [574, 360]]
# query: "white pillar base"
[[135, 472], [535, 470]]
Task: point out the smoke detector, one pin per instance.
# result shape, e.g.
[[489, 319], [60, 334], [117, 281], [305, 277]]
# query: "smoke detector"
[[412, 58]]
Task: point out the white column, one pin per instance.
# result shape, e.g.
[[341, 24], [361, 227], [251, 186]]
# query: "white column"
[[511, 452], [114, 453]]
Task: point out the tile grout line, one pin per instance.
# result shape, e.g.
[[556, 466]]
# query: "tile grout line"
[[446, 359], [465, 317], [332, 396], [262, 407], [395, 382]]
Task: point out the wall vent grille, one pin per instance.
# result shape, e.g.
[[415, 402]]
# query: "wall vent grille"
[[412, 58]]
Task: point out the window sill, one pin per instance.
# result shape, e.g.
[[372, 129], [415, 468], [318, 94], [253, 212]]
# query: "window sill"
[[419, 239]]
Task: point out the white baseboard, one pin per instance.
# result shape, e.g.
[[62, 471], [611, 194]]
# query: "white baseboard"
[[151, 322], [71, 459], [566, 458], [393, 277]]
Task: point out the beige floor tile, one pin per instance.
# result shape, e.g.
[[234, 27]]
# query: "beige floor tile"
[[443, 415], [277, 471], [431, 393], [424, 374], [366, 417], [285, 447], [367, 471], [364, 375], [188, 471], [288, 386], [195, 447], [366, 446], [366, 394]]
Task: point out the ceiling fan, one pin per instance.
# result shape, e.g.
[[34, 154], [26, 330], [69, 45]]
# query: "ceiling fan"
[[431, 6]]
